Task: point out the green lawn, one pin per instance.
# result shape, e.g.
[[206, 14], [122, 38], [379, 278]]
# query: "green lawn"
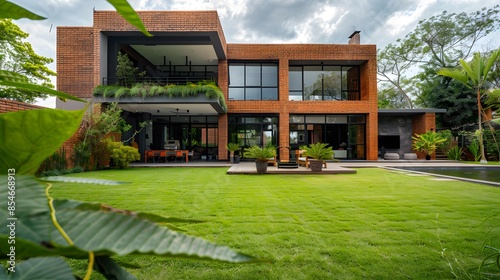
[[375, 224]]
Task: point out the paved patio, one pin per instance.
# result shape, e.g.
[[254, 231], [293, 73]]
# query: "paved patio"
[[342, 167]]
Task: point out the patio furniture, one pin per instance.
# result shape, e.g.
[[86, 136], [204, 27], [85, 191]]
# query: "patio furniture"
[[391, 156], [179, 155], [410, 156], [272, 160], [163, 154], [149, 154], [304, 161]]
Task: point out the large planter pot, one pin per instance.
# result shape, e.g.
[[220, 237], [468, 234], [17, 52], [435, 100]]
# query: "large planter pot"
[[261, 166], [316, 165]]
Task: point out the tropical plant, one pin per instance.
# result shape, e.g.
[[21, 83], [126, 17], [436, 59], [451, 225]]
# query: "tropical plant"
[[475, 75], [232, 147], [39, 230], [455, 153], [319, 151], [427, 142], [260, 153], [475, 150]]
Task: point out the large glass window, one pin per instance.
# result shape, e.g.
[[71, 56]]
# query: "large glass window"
[[253, 81], [323, 82], [253, 130], [346, 134]]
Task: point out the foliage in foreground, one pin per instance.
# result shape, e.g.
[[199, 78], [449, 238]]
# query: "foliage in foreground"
[[38, 230]]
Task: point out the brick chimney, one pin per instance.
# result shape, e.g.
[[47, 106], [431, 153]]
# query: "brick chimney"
[[355, 39]]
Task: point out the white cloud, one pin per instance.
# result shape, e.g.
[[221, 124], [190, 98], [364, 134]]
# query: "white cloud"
[[400, 21], [265, 21]]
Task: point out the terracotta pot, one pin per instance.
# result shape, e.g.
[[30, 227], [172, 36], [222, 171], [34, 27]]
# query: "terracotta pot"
[[316, 165]]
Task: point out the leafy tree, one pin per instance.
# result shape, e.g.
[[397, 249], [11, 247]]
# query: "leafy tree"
[[437, 42], [126, 72], [18, 56], [475, 75], [458, 100], [390, 98]]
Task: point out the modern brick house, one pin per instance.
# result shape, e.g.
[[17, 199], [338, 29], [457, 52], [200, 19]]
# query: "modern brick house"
[[284, 94]]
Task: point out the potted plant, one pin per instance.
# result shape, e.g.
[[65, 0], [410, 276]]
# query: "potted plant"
[[261, 156], [319, 152], [427, 143], [232, 147]]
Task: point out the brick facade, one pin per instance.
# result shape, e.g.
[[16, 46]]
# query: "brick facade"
[[79, 62], [7, 106]]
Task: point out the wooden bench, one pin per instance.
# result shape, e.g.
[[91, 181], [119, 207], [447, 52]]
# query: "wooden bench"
[[304, 161]]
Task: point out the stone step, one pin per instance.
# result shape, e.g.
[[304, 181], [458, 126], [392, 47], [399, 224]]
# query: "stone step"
[[288, 165]]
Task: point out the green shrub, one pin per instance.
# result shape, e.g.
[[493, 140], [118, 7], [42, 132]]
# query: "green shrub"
[[455, 153], [123, 155], [474, 149], [77, 169]]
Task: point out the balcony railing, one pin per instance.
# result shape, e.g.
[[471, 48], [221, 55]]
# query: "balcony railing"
[[108, 81]]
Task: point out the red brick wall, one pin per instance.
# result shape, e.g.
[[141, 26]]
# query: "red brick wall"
[[75, 60], [78, 50], [7, 105], [284, 107]]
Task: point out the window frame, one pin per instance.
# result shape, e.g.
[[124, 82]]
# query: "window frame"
[[249, 88]]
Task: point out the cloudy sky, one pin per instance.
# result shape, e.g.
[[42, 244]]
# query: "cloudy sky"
[[264, 21]]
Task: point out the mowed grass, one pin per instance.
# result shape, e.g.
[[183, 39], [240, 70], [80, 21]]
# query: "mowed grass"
[[375, 224]]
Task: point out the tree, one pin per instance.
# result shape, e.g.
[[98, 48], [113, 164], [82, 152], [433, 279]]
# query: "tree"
[[126, 72], [18, 56], [475, 75], [458, 100], [437, 42]]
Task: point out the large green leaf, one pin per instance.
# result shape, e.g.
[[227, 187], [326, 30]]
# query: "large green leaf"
[[114, 233], [28, 137], [40, 268], [11, 10], [105, 232], [111, 270], [129, 14], [12, 79]]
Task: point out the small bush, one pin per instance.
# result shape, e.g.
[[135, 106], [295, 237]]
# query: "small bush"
[[123, 155], [48, 173], [77, 169]]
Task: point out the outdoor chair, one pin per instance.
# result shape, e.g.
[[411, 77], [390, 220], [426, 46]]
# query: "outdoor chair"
[[149, 154], [191, 155], [163, 154], [179, 155]]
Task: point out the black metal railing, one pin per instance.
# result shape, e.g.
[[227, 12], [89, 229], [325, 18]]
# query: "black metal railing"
[[108, 81]]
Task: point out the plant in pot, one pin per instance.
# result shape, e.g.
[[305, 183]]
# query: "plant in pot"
[[319, 152], [261, 156], [427, 143], [232, 147]]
